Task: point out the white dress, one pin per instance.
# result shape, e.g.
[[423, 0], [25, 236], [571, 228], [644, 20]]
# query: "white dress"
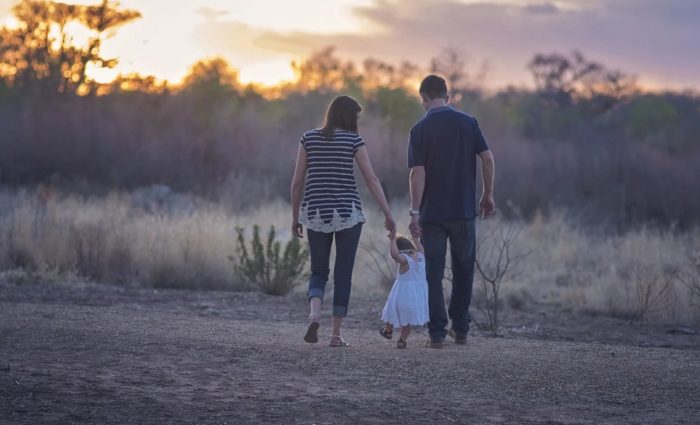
[[408, 300]]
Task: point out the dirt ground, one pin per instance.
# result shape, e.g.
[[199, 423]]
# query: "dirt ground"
[[107, 355]]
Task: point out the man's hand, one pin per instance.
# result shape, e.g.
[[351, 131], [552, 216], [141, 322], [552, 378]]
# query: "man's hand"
[[487, 206], [414, 226], [297, 229]]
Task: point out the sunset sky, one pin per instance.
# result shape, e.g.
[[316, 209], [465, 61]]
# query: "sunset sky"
[[658, 41]]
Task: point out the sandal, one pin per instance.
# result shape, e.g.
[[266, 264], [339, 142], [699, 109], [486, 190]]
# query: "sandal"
[[312, 331], [337, 341], [401, 343], [385, 333]]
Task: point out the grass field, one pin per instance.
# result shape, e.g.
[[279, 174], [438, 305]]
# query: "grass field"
[[155, 238]]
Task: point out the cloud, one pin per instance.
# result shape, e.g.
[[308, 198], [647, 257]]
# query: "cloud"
[[541, 8], [235, 40], [210, 14], [657, 41]]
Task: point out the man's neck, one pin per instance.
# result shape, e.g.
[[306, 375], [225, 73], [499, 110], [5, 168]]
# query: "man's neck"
[[435, 103]]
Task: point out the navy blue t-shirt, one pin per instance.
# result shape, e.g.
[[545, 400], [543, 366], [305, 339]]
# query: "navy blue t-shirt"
[[446, 142]]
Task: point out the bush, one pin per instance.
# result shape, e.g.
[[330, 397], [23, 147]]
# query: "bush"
[[495, 263], [273, 273]]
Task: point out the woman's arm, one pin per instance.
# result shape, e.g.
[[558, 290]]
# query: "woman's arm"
[[297, 185], [372, 182]]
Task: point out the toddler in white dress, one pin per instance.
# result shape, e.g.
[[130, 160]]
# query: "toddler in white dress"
[[407, 303]]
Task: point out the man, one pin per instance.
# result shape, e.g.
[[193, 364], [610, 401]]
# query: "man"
[[442, 152]]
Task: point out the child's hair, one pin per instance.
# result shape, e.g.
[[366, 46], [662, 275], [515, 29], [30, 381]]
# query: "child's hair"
[[404, 244]]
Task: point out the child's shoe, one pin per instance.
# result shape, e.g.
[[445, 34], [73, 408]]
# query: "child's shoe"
[[385, 333]]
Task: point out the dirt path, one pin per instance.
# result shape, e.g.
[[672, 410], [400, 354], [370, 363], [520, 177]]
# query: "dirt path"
[[107, 355]]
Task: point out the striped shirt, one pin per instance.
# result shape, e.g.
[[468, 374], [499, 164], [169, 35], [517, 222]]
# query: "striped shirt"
[[331, 202]]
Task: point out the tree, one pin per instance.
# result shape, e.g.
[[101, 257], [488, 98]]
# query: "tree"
[[134, 83], [324, 72], [214, 72], [41, 57], [452, 64], [561, 80], [378, 74]]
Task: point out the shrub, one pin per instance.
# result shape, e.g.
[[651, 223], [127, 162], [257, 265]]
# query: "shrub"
[[495, 263], [648, 290], [378, 262], [275, 273]]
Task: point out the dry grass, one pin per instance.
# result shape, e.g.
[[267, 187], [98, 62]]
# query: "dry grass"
[[578, 270], [116, 240], [125, 240]]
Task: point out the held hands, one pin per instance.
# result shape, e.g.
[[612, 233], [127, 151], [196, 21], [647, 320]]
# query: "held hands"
[[390, 225], [487, 206], [414, 226]]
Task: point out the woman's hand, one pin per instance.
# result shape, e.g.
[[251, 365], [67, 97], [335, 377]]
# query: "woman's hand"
[[390, 224], [297, 229]]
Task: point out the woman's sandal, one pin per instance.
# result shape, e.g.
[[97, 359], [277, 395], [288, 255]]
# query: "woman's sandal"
[[312, 331], [337, 341], [401, 343], [386, 334]]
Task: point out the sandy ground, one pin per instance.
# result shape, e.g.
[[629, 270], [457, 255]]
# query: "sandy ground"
[[108, 355]]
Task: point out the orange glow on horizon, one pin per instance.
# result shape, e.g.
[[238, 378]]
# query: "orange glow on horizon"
[[260, 40]]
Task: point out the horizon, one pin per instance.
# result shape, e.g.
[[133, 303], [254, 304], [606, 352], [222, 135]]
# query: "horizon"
[[261, 40]]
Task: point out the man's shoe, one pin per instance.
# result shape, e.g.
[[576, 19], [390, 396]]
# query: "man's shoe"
[[459, 338], [435, 343]]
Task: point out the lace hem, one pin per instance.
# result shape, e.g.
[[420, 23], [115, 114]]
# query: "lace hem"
[[398, 324], [337, 223]]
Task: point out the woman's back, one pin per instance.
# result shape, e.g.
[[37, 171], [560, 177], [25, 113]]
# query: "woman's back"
[[331, 202]]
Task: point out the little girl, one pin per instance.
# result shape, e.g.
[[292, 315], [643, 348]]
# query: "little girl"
[[408, 300]]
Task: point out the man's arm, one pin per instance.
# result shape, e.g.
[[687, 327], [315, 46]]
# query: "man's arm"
[[417, 185], [487, 205]]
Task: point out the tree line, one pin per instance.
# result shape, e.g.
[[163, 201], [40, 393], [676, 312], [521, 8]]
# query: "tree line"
[[586, 137]]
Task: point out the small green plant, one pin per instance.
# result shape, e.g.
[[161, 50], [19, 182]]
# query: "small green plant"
[[273, 271]]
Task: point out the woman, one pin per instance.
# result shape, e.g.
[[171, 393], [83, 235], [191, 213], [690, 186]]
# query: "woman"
[[331, 207]]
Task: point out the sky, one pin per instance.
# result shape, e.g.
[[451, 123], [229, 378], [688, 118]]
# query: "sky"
[[658, 41]]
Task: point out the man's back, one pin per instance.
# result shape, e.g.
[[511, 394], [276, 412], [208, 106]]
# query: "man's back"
[[446, 142]]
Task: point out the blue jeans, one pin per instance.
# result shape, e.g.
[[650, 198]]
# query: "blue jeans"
[[462, 237], [346, 242]]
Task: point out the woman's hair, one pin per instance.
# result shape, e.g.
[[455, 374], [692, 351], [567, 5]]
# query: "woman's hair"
[[341, 114], [404, 244]]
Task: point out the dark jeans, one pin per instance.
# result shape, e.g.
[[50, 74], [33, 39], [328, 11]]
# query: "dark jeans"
[[346, 242], [462, 237]]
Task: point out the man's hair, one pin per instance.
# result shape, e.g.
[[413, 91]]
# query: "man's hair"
[[404, 244], [433, 87]]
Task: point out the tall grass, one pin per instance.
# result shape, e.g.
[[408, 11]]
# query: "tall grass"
[[184, 242], [118, 239]]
